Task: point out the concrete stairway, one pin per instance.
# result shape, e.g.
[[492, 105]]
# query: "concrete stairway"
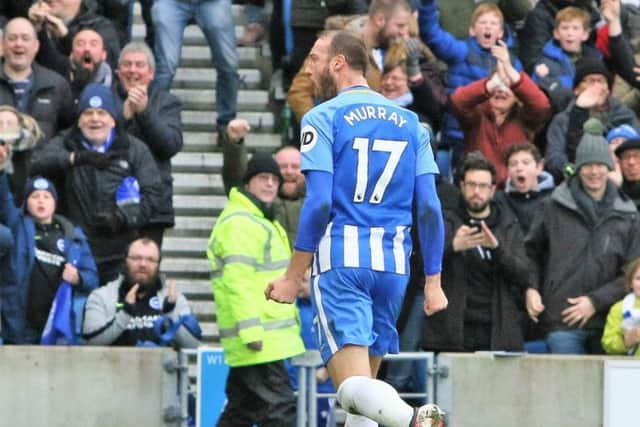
[[199, 195]]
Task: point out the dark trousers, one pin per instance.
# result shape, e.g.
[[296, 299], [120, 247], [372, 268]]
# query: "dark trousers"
[[477, 336], [260, 395]]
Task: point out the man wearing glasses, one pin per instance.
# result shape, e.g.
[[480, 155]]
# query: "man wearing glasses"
[[628, 154], [140, 307], [484, 269]]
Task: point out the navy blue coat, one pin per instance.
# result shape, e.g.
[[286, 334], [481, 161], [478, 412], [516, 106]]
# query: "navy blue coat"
[[558, 83], [14, 290]]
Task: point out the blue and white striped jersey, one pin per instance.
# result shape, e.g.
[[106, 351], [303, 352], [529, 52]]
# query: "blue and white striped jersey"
[[375, 150]]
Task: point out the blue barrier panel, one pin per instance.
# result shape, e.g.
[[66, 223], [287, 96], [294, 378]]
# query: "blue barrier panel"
[[212, 377]]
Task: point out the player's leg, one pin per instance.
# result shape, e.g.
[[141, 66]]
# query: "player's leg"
[[387, 296], [354, 369], [359, 420], [343, 304]]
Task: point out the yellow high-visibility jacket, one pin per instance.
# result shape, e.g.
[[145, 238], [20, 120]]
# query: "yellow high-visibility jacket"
[[246, 251]]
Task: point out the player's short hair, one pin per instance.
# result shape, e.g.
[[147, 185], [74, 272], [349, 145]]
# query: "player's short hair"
[[352, 48], [570, 13], [475, 161], [388, 7], [138, 47], [630, 271], [483, 9], [523, 146]]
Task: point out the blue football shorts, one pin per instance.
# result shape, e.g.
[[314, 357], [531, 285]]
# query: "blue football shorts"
[[357, 306]]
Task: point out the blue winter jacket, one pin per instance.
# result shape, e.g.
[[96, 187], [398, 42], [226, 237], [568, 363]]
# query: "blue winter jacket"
[[14, 290], [558, 83], [467, 61], [559, 63]]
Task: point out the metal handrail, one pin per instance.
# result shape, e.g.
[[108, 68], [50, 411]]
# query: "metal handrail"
[[307, 394]]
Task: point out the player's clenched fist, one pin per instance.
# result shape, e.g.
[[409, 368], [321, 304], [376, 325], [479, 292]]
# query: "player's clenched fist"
[[282, 290], [434, 298]]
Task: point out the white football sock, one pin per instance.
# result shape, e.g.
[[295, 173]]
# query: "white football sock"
[[375, 400]]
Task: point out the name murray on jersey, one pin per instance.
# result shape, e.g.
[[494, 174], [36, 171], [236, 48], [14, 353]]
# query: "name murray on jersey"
[[376, 112]]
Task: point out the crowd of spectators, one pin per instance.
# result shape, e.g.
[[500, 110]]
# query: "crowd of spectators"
[[86, 143], [537, 144]]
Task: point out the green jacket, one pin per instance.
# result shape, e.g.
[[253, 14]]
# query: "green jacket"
[[246, 251], [613, 337]]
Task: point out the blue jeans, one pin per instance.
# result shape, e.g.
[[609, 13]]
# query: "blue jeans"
[[170, 17], [575, 341]]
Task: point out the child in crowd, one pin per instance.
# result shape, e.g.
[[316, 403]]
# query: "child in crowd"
[[555, 70], [468, 60], [622, 330], [528, 185], [44, 244]]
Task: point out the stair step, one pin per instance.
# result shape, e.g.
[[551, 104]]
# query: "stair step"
[[192, 226], [197, 268], [200, 56], [206, 141], [204, 310], [199, 78], [185, 246], [205, 121], [199, 99], [198, 205], [197, 162], [210, 332], [195, 289], [197, 183]]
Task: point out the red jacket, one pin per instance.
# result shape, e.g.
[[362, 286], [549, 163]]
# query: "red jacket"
[[470, 105]]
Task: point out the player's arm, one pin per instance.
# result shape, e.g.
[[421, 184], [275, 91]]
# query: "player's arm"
[[314, 217], [431, 236]]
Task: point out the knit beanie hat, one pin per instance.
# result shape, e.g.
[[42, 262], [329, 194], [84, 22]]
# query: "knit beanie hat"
[[586, 66], [593, 147], [623, 131], [261, 163], [629, 144], [40, 183], [96, 95]]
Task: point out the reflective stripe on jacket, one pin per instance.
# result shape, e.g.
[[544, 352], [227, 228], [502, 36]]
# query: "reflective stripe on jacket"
[[246, 251]]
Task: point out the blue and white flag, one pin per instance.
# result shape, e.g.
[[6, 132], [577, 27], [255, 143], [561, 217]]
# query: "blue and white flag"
[[59, 329]]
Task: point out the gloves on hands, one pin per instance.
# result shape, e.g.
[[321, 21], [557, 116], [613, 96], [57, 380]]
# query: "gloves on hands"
[[414, 55], [94, 158]]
